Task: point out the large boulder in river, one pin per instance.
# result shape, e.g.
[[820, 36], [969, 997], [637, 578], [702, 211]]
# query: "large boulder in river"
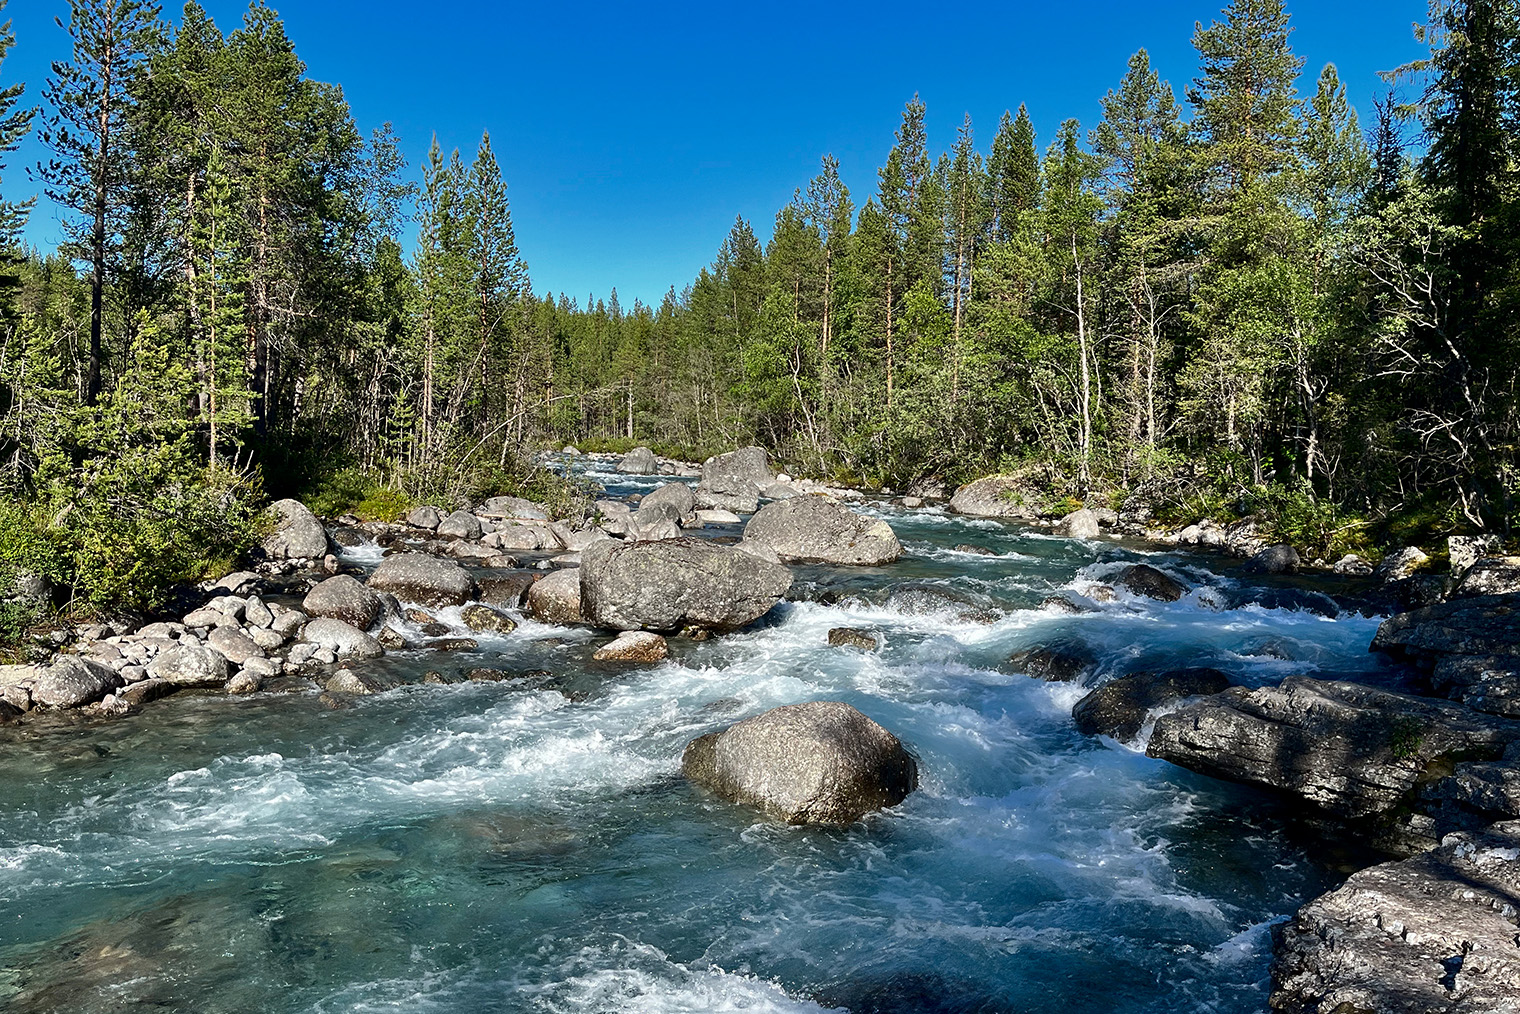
[[557, 598], [189, 664], [1119, 707], [460, 525], [1079, 524], [671, 502], [744, 473], [343, 598], [1143, 579], [1431, 933], [298, 535], [1354, 751], [1276, 559], [71, 681], [669, 585], [424, 580], [816, 763], [342, 639], [639, 461], [820, 529], [996, 496]]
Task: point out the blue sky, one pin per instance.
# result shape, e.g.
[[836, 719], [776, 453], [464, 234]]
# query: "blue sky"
[[631, 135]]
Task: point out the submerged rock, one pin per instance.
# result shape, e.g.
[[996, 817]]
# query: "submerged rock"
[[1119, 707], [1351, 750], [816, 763], [1143, 579], [426, 580], [666, 586], [819, 529], [633, 646], [1060, 662], [1436, 933], [996, 496]]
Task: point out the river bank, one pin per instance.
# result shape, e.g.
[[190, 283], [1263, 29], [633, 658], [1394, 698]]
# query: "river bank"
[[521, 768]]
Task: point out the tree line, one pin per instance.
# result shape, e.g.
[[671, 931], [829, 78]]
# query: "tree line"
[[1236, 296]]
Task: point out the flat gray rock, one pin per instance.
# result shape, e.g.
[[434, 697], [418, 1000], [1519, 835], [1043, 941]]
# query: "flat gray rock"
[[820, 529], [668, 585], [1436, 933], [1352, 750], [424, 580]]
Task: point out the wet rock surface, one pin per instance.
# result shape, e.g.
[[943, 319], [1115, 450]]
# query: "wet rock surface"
[[817, 763], [1119, 707]]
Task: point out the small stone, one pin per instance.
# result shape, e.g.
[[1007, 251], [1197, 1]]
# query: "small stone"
[[455, 644], [244, 682], [966, 547], [634, 646], [257, 614], [391, 639], [483, 619], [853, 637], [266, 638]]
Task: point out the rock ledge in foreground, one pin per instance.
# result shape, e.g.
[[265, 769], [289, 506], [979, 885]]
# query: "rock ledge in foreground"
[[1433, 933]]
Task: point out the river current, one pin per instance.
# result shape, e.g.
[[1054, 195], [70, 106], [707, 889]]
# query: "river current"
[[485, 847]]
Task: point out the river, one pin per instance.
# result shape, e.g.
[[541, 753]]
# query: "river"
[[490, 847]]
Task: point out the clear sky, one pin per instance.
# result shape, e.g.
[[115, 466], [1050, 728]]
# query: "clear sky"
[[631, 135]]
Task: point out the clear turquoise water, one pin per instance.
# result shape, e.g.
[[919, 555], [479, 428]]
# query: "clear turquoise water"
[[480, 848]]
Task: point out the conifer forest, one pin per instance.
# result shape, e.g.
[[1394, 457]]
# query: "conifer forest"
[[1235, 293]]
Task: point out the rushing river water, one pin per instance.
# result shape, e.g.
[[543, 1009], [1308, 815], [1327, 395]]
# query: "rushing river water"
[[481, 847]]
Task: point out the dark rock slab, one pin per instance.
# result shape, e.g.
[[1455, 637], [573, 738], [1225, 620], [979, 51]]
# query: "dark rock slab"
[[1119, 707]]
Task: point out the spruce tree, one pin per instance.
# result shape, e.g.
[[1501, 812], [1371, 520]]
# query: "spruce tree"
[[89, 98]]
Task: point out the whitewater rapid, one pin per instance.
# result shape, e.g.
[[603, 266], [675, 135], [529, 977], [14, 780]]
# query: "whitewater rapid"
[[480, 847]]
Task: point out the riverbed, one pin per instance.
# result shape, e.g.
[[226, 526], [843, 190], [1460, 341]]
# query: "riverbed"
[[531, 846]]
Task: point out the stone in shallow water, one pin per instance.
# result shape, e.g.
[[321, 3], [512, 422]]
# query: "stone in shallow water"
[[1119, 708], [633, 646], [853, 637], [1058, 662], [817, 763], [71, 681], [483, 619], [1143, 579]]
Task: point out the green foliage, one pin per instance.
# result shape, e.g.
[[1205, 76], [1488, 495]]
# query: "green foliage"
[[1404, 737], [1318, 526]]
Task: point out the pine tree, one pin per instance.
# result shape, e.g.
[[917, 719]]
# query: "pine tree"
[[90, 98]]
